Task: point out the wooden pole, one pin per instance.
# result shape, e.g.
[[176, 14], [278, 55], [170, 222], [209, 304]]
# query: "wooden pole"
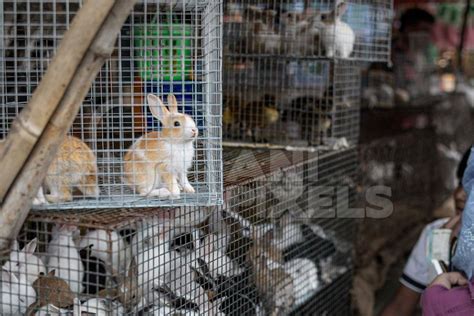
[[18, 200], [30, 123]]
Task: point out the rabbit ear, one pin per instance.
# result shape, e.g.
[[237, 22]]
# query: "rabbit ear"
[[341, 9], [15, 246], [13, 278], [132, 269], [172, 103], [31, 247], [157, 108], [6, 275]]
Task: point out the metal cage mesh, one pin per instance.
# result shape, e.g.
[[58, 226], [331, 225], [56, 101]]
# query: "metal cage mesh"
[[164, 49], [354, 29], [271, 248], [291, 102]]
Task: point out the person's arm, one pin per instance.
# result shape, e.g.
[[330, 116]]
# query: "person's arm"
[[440, 296], [403, 304]]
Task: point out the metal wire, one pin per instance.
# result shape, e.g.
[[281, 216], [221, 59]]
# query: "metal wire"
[[282, 84], [202, 259], [169, 48]]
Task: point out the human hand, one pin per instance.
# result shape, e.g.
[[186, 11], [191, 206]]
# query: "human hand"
[[449, 279], [454, 223]]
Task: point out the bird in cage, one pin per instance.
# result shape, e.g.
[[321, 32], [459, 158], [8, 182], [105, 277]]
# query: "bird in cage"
[[313, 115], [337, 37], [158, 162], [258, 116], [75, 166]]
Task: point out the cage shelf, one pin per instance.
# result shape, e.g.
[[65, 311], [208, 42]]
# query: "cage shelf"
[[114, 156]]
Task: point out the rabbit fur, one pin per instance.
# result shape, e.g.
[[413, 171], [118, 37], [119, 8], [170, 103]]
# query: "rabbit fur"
[[64, 257], [158, 162], [25, 262]]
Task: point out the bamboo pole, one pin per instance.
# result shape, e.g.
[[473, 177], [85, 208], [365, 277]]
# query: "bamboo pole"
[[18, 200], [32, 120]]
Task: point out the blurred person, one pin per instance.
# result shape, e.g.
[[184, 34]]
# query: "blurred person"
[[416, 274], [449, 294]]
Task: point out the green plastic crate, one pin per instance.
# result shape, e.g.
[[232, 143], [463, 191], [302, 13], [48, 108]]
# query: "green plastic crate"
[[164, 51]]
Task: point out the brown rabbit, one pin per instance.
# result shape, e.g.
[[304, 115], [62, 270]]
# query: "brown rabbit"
[[158, 163], [51, 290], [274, 284], [75, 165]]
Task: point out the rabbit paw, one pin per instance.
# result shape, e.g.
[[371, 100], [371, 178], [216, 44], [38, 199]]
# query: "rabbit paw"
[[163, 193], [175, 192], [188, 188], [39, 200]]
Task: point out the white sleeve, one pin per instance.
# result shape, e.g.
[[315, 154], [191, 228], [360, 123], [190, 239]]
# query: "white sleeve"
[[417, 272]]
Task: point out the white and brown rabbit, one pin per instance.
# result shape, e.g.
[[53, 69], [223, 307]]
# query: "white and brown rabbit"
[[74, 166], [337, 37], [158, 162]]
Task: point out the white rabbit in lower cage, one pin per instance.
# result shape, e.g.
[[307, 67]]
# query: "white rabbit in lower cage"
[[100, 307], [64, 257], [153, 264], [17, 294], [219, 263], [109, 247], [51, 310], [305, 278], [337, 37], [148, 235], [157, 163], [25, 262]]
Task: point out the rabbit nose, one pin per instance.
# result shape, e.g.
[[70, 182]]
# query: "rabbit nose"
[[194, 131]]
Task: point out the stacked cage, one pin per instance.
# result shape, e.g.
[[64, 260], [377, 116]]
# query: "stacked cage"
[[291, 69], [154, 107], [292, 82], [271, 248], [281, 241]]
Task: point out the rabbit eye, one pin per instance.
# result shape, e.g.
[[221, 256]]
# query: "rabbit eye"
[[176, 123]]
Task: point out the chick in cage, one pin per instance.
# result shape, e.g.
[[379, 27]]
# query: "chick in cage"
[[158, 162], [252, 119], [313, 116]]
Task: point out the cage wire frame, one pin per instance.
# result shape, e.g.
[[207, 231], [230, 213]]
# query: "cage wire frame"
[[105, 241], [308, 29], [174, 47], [293, 102]]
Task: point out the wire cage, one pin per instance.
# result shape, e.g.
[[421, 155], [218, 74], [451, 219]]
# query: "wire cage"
[[242, 257], [353, 29], [154, 107], [393, 161], [291, 102]]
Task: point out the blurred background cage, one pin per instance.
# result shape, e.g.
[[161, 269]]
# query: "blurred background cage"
[[291, 69], [294, 102], [271, 248], [353, 29], [170, 47]]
